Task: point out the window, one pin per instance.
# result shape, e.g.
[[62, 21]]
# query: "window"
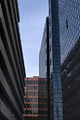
[[66, 23]]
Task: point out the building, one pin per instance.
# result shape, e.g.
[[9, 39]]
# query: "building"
[[71, 84], [69, 22], [44, 61], [31, 98], [12, 71], [56, 109], [43, 99], [44, 52], [36, 101], [49, 62]]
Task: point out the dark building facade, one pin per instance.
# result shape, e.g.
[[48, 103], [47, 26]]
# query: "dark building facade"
[[71, 84], [12, 71], [56, 109], [69, 21], [43, 99], [44, 60]]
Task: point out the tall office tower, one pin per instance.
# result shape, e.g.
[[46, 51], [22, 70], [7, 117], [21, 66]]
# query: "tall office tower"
[[43, 99], [31, 98], [71, 84], [55, 66], [44, 52], [69, 20], [12, 72], [69, 17], [44, 60]]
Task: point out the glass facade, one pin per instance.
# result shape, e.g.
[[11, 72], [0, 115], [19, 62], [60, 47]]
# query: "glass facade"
[[55, 67], [69, 24], [44, 70], [43, 55], [69, 20], [71, 84]]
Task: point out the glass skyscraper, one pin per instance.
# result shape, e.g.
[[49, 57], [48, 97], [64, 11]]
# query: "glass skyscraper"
[[69, 24], [44, 61], [55, 67], [69, 21], [44, 52], [64, 32]]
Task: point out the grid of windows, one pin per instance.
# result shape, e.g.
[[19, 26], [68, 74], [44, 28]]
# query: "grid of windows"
[[32, 87], [43, 55], [31, 98], [31, 111], [56, 110], [69, 19], [32, 93], [44, 99], [31, 82], [71, 84], [36, 82]]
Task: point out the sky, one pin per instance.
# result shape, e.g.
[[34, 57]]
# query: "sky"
[[33, 14]]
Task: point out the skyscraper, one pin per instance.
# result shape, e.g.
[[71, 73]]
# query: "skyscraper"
[[44, 61], [50, 66], [12, 71], [69, 21], [55, 66], [71, 84], [44, 52]]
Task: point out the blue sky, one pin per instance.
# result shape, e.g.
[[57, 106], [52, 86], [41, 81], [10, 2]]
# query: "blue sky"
[[32, 20]]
